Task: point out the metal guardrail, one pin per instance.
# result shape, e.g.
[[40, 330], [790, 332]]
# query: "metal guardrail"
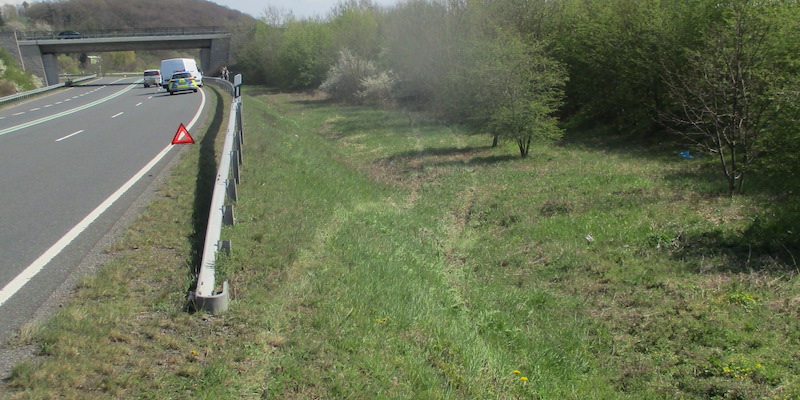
[[29, 93], [205, 296]]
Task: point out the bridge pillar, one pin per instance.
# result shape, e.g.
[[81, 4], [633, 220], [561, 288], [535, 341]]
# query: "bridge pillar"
[[29, 58], [33, 61], [50, 63], [216, 56]]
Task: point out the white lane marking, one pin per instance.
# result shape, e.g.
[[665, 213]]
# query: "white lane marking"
[[69, 136], [137, 105], [49, 105], [67, 112], [117, 114], [19, 113], [34, 109], [32, 270]]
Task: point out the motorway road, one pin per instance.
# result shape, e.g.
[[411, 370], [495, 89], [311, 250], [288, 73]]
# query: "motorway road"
[[62, 158]]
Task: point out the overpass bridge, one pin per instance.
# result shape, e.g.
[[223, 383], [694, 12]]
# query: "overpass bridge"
[[36, 52]]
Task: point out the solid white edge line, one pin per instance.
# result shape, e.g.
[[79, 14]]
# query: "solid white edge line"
[[69, 136], [32, 270]]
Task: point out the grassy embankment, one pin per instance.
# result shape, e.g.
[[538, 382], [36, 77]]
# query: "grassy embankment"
[[378, 257]]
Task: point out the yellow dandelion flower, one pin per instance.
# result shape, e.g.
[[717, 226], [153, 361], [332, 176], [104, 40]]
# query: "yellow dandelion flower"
[[516, 371], [523, 378]]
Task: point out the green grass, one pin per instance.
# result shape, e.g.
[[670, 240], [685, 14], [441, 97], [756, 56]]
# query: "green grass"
[[380, 257]]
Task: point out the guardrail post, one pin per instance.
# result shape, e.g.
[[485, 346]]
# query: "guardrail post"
[[233, 193], [227, 216], [235, 167], [239, 124]]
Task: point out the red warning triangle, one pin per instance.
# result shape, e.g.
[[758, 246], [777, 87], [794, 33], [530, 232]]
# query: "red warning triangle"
[[182, 136]]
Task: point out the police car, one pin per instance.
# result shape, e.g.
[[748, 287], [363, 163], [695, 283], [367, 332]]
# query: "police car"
[[181, 81]]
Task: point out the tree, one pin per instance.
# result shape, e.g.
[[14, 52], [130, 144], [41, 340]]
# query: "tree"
[[523, 90], [258, 56], [419, 50], [354, 27], [723, 91], [305, 54], [276, 16], [781, 140]]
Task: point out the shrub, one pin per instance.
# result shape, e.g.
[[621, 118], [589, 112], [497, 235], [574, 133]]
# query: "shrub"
[[13, 79], [378, 89], [7, 88], [346, 77]]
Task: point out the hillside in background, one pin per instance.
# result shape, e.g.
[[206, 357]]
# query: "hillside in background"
[[90, 15]]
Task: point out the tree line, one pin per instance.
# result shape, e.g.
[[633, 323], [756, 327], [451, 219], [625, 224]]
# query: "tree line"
[[723, 73]]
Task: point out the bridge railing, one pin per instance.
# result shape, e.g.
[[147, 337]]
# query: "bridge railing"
[[110, 33]]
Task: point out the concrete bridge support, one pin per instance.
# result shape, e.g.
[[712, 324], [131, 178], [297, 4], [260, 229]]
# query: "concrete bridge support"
[[31, 59], [33, 62], [50, 64], [215, 57]]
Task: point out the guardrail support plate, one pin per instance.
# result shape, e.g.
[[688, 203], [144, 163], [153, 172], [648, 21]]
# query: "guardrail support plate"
[[227, 215]]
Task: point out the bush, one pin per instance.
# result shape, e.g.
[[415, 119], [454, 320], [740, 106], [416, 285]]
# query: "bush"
[[12, 78], [7, 88], [378, 89], [346, 78]]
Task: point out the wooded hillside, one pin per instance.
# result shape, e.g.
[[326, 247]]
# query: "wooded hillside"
[[90, 15]]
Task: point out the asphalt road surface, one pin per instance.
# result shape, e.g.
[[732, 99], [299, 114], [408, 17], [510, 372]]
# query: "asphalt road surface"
[[71, 164]]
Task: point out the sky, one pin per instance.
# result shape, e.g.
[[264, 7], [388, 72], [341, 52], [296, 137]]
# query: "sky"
[[300, 8]]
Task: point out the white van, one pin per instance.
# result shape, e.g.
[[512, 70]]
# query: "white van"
[[173, 65]]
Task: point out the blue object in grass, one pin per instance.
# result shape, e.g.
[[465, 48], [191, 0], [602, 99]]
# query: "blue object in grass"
[[685, 154]]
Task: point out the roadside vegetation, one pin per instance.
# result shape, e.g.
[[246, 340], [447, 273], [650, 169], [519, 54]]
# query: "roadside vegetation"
[[378, 258], [12, 78]]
